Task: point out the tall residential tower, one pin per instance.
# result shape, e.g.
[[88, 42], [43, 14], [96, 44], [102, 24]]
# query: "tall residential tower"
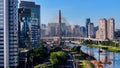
[[106, 29], [8, 34], [110, 28], [102, 30]]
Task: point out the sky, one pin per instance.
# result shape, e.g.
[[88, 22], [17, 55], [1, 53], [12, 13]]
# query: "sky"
[[76, 11]]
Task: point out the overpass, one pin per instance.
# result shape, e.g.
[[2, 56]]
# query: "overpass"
[[69, 38]]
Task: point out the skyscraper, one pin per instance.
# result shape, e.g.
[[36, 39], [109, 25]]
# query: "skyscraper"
[[87, 22], [43, 30], [8, 34], [106, 29], [102, 30], [97, 34], [82, 31], [110, 28], [34, 8], [34, 33], [76, 31], [90, 30], [95, 30], [24, 19], [30, 17], [69, 31]]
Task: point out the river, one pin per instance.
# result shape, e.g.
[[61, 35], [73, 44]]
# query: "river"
[[108, 59]]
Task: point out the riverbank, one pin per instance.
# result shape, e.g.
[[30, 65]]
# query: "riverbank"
[[83, 60], [86, 64], [109, 48]]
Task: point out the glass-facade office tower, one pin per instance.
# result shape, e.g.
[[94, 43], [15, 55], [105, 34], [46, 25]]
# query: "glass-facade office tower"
[[35, 9], [24, 19], [8, 34], [34, 31], [28, 16], [87, 22]]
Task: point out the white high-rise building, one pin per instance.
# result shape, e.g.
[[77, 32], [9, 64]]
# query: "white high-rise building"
[[110, 28], [8, 33], [90, 30], [106, 29], [102, 31]]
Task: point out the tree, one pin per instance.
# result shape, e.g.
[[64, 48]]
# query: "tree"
[[76, 49], [38, 55], [55, 49], [108, 43], [88, 42], [58, 57]]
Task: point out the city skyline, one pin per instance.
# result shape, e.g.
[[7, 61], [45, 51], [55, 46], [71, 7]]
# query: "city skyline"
[[82, 10], [58, 39]]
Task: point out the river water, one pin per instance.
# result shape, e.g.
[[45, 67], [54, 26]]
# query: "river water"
[[108, 59]]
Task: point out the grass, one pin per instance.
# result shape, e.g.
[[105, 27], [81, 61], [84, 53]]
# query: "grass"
[[114, 49], [109, 48], [84, 61], [44, 66], [82, 64], [40, 66], [98, 46], [24, 50]]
